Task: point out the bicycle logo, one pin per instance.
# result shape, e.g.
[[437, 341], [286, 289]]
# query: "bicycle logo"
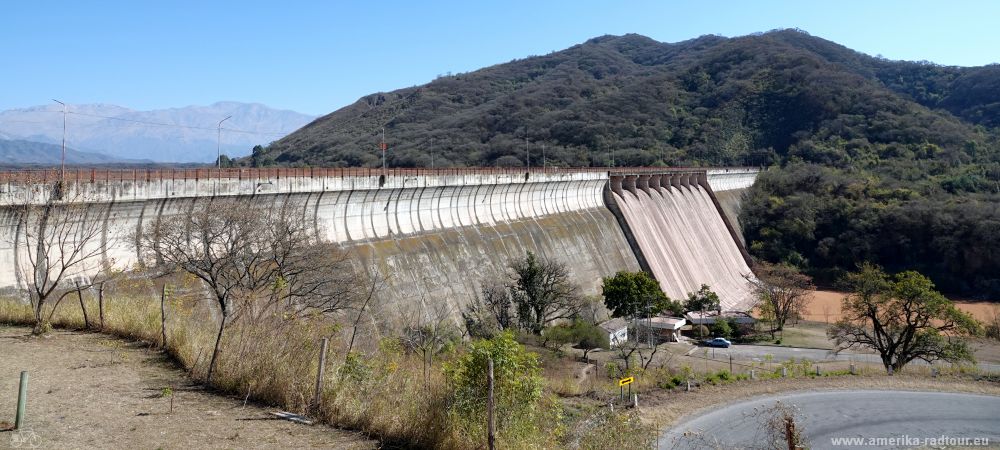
[[25, 439]]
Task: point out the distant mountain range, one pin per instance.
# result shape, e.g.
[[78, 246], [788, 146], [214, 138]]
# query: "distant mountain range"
[[15, 152], [172, 135]]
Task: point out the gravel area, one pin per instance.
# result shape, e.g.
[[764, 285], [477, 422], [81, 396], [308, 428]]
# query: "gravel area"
[[87, 390]]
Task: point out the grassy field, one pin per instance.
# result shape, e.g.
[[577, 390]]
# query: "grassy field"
[[806, 334]]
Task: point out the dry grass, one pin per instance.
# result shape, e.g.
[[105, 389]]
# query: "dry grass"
[[381, 392]]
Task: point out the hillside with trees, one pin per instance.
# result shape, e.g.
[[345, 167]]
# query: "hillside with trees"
[[892, 162]]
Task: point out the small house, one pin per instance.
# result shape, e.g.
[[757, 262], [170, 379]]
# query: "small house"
[[665, 329], [617, 330]]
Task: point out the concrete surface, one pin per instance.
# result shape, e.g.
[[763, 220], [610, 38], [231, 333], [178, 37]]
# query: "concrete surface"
[[909, 417], [685, 242], [438, 233]]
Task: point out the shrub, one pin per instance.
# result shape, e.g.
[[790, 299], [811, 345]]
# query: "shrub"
[[721, 328], [517, 388], [618, 431]]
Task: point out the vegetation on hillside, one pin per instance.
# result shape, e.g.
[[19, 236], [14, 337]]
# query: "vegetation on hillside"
[[889, 161]]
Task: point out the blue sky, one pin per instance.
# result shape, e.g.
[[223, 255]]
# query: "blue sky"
[[316, 57]]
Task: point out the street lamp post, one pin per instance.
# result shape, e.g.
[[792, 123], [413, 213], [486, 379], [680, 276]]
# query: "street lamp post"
[[218, 144], [62, 165]]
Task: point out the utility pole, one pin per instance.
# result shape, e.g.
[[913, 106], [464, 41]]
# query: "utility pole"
[[649, 325], [544, 165], [527, 156], [62, 166], [490, 432], [218, 144], [385, 170]]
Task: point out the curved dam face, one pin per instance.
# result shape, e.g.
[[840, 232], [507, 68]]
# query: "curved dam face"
[[436, 235]]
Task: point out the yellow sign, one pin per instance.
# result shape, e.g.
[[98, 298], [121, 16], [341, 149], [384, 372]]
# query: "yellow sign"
[[624, 381]]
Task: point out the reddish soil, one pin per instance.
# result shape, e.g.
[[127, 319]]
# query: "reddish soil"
[[826, 305]]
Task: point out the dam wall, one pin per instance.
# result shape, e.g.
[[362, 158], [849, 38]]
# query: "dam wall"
[[437, 234]]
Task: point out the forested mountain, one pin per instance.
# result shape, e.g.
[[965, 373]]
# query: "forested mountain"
[[888, 161]]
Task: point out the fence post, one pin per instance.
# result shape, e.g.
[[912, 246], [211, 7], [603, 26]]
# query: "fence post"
[[319, 374], [163, 316], [22, 400], [490, 436]]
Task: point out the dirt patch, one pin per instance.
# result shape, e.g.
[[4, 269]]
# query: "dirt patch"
[[88, 390], [824, 306]]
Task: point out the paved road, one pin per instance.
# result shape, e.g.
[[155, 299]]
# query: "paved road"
[[825, 416], [759, 353]]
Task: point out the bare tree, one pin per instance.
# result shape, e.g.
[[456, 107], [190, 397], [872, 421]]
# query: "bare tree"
[[490, 312], [303, 273], [428, 331], [255, 261], [62, 240], [542, 292], [633, 348], [782, 292]]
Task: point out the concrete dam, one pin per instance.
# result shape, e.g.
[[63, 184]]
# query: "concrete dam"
[[437, 235]]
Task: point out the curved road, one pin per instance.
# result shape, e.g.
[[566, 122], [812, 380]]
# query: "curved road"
[[825, 417]]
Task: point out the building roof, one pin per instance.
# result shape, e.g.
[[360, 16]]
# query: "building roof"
[[710, 316], [672, 323], [614, 325]]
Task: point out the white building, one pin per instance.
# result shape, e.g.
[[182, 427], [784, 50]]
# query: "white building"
[[665, 329], [617, 330]]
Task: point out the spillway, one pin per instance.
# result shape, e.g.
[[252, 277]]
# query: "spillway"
[[685, 241]]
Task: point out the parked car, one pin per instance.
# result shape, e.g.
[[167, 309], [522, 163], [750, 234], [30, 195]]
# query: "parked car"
[[718, 342]]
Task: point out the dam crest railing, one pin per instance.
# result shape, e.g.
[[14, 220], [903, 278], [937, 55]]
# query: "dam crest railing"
[[154, 174]]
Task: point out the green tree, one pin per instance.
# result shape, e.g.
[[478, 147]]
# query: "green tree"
[[721, 328], [558, 335], [589, 336], [703, 300], [902, 318], [257, 158], [517, 387], [636, 294], [224, 161]]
